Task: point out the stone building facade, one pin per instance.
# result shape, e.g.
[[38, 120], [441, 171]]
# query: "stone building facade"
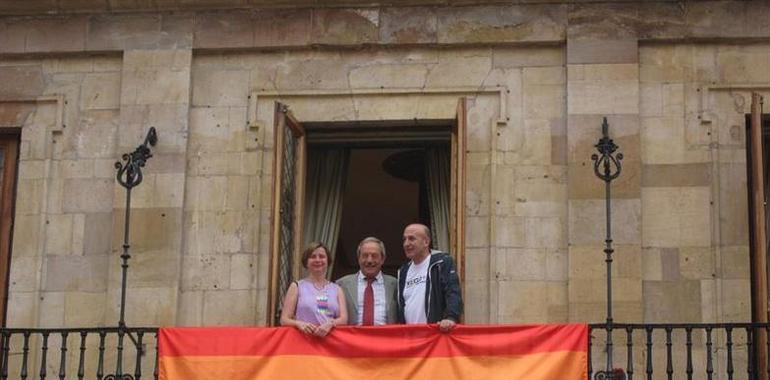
[[83, 81]]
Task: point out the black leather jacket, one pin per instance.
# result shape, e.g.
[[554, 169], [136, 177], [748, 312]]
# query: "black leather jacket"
[[443, 299]]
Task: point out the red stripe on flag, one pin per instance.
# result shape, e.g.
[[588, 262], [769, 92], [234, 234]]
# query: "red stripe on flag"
[[394, 341]]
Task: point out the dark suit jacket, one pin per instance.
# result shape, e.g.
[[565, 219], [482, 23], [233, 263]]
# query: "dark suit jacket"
[[349, 285]]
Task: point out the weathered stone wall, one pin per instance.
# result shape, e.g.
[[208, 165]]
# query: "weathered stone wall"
[[673, 79]]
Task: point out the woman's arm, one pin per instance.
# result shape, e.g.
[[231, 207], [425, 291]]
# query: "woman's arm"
[[289, 309]]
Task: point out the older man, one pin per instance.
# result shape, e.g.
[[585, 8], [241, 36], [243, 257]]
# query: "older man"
[[428, 285], [370, 295]]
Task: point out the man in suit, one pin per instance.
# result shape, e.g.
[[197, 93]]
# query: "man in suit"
[[370, 295]]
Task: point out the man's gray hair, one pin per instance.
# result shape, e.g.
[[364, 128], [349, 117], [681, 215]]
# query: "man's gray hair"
[[371, 239]]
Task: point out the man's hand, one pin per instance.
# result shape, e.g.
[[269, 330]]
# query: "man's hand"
[[445, 325]]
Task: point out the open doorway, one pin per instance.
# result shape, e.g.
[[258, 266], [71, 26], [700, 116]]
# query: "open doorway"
[[311, 184], [385, 190], [385, 185]]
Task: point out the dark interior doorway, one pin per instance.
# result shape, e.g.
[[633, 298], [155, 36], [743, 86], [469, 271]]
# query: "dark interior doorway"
[[378, 203], [385, 187]]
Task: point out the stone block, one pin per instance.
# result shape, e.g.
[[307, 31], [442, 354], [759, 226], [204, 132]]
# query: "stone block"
[[21, 309], [59, 232], [477, 231], [100, 91], [741, 65], [170, 121], [509, 23], [523, 264], [73, 168], [156, 87], [24, 274], [94, 136], [15, 114], [476, 302], [676, 216], [98, 233], [26, 235], [123, 32], [13, 34], [22, 82], [321, 72], [510, 231], [168, 190], [557, 264], [75, 273], [148, 306], [84, 309], [672, 301], [152, 229], [242, 272], [151, 268], [540, 191], [206, 272], [664, 141], [345, 26], [606, 97], [54, 302], [190, 308], [176, 30], [224, 29], [586, 262], [171, 59], [709, 20], [229, 307], [534, 56], [523, 301], [591, 21], [735, 262], [546, 232], [676, 175], [29, 196], [408, 25], [697, 263], [32, 169], [88, 195], [212, 232], [276, 27], [602, 51], [60, 34], [453, 71], [587, 221], [220, 88], [388, 76], [477, 185], [736, 300]]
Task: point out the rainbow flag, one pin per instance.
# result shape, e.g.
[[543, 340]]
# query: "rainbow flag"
[[393, 352]]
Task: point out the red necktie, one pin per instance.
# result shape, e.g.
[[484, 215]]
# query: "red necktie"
[[368, 317]]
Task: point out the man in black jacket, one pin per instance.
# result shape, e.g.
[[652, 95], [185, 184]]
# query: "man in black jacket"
[[428, 286]]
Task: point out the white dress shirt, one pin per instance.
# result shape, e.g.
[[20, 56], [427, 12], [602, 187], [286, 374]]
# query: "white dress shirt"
[[378, 285]]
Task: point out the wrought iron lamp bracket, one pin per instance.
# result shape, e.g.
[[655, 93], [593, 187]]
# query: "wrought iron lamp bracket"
[[130, 174], [607, 166]]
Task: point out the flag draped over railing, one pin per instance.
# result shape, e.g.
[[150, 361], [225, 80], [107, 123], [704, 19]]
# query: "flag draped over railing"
[[531, 352]]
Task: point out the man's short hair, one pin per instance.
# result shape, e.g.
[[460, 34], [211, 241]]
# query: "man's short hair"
[[371, 239]]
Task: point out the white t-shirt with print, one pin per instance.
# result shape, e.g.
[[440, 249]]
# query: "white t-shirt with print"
[[414, 292]]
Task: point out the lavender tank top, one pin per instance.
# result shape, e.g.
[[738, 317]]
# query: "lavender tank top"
[[316, 306]]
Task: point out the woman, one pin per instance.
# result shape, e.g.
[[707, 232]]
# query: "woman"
[[314, 305]]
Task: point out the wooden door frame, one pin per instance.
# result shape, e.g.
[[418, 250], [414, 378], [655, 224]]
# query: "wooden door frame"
[[10, 140]]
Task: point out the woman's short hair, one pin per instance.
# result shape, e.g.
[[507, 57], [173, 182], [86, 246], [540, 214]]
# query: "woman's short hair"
[[309, 251]]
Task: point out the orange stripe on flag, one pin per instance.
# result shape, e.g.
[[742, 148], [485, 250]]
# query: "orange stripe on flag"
[[388, 352], [540, 366]]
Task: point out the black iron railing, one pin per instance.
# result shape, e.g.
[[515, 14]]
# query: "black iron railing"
[[78, 353], [643, 351], [680, 351]]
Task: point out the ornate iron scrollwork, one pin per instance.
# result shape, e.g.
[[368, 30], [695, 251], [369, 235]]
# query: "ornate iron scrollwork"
[[130, 173]]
